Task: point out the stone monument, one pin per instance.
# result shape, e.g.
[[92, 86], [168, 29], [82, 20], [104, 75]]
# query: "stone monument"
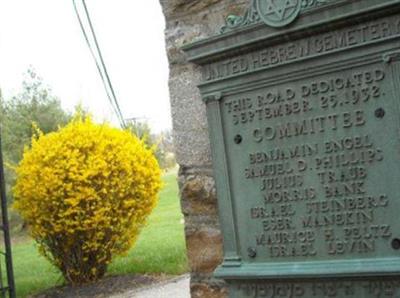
[[303, 113]]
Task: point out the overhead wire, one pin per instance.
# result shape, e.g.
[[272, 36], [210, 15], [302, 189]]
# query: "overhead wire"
[[94, 57], [103, 64], [101, 67]]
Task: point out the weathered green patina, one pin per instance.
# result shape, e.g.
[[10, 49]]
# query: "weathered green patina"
[[303, 108]]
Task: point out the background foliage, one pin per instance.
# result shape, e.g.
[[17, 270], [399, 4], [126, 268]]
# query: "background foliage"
[[161, 247], [162, 143], [35, 103]]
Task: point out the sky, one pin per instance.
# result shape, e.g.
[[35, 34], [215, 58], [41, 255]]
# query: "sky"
[[46, 35]]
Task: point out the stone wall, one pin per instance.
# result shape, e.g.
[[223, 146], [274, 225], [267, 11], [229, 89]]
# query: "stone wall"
[[188, 21]]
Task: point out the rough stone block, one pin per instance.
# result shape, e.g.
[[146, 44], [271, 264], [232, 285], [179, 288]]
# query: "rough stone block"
[[205, 290], [198, 196], [188, 21], [204, 249], [189, 119]]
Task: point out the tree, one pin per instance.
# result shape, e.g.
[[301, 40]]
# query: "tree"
[[162, 143], [35, 103], [165, 150]]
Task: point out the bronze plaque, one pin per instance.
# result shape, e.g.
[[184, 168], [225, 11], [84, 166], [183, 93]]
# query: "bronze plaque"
[[304, 121]]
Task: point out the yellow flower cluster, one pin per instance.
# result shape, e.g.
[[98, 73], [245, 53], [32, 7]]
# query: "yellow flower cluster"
[[86, 191]]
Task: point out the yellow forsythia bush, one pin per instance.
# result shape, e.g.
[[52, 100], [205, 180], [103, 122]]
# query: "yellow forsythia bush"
[[85, 191]]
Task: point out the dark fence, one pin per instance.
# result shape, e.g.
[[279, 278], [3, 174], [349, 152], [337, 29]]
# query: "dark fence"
[[7, 284]]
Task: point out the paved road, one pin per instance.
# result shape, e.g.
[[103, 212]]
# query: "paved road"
[[177, 288]]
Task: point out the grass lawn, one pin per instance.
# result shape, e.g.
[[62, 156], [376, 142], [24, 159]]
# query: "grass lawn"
[[160, 249]]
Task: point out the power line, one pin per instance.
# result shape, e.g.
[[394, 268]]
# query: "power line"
[[104, 66], [94, 57], [101, 67]]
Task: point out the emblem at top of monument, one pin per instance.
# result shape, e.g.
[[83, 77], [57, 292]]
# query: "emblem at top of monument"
[[278, 13], [274, 13]]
